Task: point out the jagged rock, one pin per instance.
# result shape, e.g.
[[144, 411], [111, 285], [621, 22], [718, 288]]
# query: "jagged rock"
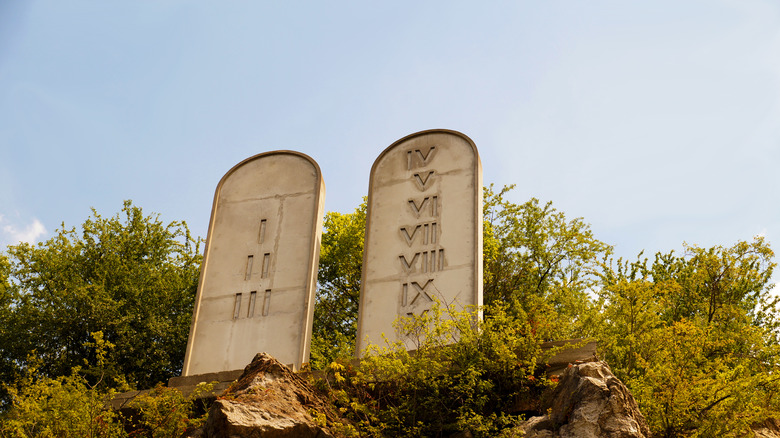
[[767, 429], [268, 400], [589, 402]]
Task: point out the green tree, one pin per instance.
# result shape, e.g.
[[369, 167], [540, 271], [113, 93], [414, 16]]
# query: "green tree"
[[338, 292], [130, 276], [66, 406], [534, 258], [695, 337], [539, 261], [71, 406], [7, 367]]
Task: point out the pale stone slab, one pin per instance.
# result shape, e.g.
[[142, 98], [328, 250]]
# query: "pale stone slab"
[[259, 270], [423, 232]]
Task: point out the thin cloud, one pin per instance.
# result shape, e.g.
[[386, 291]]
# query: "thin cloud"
[[29, 233]]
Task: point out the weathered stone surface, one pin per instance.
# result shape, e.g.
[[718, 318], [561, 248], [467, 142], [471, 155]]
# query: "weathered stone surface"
[[571, 351], [423, 232], [589, 402], [768, 429], [269, 400], [259, 271]]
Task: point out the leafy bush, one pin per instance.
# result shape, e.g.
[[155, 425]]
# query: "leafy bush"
[[62, 407], [464, 374], [69, 406], [166, 412]]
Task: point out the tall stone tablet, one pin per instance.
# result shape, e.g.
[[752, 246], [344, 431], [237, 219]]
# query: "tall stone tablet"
[[423, 232], [259, 271]]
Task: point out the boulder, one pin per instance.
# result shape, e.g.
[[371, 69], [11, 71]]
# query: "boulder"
[[589, 402], [268, 400], [767, 429]]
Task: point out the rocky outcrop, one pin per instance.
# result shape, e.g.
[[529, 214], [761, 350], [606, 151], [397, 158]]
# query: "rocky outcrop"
[[767, 429], [268, 400], [589, 402]]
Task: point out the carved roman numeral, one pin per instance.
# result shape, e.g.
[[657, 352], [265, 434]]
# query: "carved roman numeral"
[[250, 312], [417, 290], [266, 302], [237, 307], [424, 180], [410, 237], [416, 158], [409, 266], [266, 264], [430, 261], [248, 271], [427, 233], [429, 202], [261, 233]]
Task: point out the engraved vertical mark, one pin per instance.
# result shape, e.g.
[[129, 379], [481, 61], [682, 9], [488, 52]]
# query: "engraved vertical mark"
[[237, 307], [405, 295], [441, 259], [266, 302], [261, 233], [252, 298], [266, 264], [248, 273]]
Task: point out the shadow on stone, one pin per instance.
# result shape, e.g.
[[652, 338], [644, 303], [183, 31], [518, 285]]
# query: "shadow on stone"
[[268, 400], [589, 402]]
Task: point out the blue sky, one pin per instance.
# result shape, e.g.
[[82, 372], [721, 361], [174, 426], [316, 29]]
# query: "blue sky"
[[657, 122]]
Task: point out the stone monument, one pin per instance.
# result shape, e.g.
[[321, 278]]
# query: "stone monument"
[[259, 270], [423, 232]]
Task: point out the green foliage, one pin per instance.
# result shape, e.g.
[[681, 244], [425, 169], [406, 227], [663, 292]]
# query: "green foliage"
[[63, 407], [536, 259], [341, 261], [130, 277], [7, 331], [66, 406], [166, 412], [70, 406], [464, 374], [695, 338]]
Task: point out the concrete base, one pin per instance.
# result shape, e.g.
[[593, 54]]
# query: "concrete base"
[[185, 384], [558, 362]]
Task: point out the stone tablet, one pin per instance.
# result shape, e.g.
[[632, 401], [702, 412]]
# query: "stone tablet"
[[423, 232], [259, 271]]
